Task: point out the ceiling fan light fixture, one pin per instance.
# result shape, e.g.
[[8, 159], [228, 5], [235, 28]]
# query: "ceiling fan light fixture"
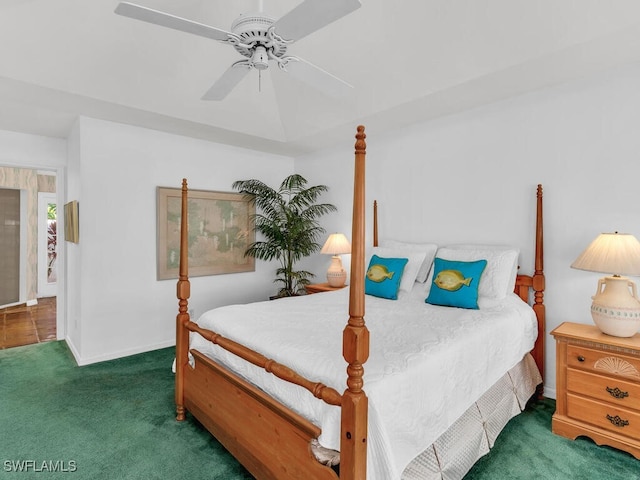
[[259, 59]]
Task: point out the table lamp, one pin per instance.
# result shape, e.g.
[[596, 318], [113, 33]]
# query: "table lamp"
[[336, 245], [616, 308]]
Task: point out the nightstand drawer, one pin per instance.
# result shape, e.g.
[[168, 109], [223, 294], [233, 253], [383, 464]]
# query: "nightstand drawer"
[[611, 418], [604, 362], [609, 389]]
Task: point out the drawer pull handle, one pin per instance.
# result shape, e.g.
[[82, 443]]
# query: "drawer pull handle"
[[580, 358], [617, 393], [617, 421]]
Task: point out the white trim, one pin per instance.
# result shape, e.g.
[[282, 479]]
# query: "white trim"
[[11, 304], [118, 354], [22, 296], [61, 299], [549, 392], [74, 350]]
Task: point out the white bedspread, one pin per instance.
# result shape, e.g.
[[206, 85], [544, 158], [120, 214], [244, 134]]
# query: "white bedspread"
[[427, 364]]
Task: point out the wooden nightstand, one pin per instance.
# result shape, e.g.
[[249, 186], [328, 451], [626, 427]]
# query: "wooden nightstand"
[[598, 387], [321, 287]]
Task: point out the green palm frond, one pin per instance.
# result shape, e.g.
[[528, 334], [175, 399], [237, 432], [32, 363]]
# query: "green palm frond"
[[287, 219]]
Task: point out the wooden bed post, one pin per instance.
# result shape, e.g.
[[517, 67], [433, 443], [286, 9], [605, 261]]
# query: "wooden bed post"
[[183, 293], [375, 223], [355, 343], [539, 285]]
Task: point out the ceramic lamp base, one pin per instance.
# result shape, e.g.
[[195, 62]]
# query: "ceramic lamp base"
[[616, 321], [336, 276], [337, 279], [616, 309]]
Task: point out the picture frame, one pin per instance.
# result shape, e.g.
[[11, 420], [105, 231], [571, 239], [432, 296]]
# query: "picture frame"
[[220, 230], [71, 219]]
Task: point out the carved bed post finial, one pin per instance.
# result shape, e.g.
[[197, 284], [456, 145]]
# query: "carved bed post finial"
[[183, 292], [361, 145], [355, 345]]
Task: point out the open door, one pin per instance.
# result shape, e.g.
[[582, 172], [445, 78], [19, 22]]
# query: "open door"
[[9, 246]]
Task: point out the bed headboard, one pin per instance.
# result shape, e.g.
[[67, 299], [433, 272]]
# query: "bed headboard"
[[525, 284]]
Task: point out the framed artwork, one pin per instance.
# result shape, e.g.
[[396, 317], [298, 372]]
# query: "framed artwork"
[[220, 230], [71, 226]]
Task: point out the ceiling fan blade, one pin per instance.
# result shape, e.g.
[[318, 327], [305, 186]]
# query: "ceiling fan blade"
[[311, 15], [156, 17], [228, 81], [318, 78]]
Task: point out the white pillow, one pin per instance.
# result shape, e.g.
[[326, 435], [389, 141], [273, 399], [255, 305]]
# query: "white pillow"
[[429, 250], [499, 277], [410, 272]]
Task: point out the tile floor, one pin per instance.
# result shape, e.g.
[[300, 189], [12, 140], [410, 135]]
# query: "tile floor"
[[22, 325]]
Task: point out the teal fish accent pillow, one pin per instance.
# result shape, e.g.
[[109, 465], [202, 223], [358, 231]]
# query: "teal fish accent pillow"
[[455, 283], [383, 277]]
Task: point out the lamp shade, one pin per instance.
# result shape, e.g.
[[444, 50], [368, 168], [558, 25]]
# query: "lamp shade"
[[613, 253], [336, 244]]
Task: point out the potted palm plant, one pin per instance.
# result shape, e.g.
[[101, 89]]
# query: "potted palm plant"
[[287, 219]]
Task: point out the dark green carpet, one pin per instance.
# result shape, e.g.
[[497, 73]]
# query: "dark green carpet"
[[527, 450], [115, 420]]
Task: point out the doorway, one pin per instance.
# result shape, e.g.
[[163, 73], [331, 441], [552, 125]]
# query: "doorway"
[[38, 313], [47, 244]]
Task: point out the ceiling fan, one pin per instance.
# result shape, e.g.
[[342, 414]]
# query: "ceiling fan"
[[261, 39]]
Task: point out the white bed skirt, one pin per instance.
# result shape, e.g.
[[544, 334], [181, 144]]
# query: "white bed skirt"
[[472, 435]]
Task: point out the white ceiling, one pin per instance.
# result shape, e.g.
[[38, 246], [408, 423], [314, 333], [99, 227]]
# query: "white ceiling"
[[409, 60]]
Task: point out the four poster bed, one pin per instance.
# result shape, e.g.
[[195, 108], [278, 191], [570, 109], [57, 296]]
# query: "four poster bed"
[[429, 410]]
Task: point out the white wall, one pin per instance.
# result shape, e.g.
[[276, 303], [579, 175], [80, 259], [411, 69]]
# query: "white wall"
[[472, 178], [32, 151], [114, 296]]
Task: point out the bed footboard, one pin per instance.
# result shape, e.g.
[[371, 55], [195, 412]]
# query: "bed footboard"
[[271, 441]]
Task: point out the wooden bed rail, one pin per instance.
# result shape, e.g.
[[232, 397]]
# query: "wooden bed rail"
[[317, 389], [375, 223]]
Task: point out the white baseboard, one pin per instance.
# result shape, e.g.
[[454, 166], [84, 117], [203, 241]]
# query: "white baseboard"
[[81, 361], [549, 392], [74, 350], [31, 303]]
